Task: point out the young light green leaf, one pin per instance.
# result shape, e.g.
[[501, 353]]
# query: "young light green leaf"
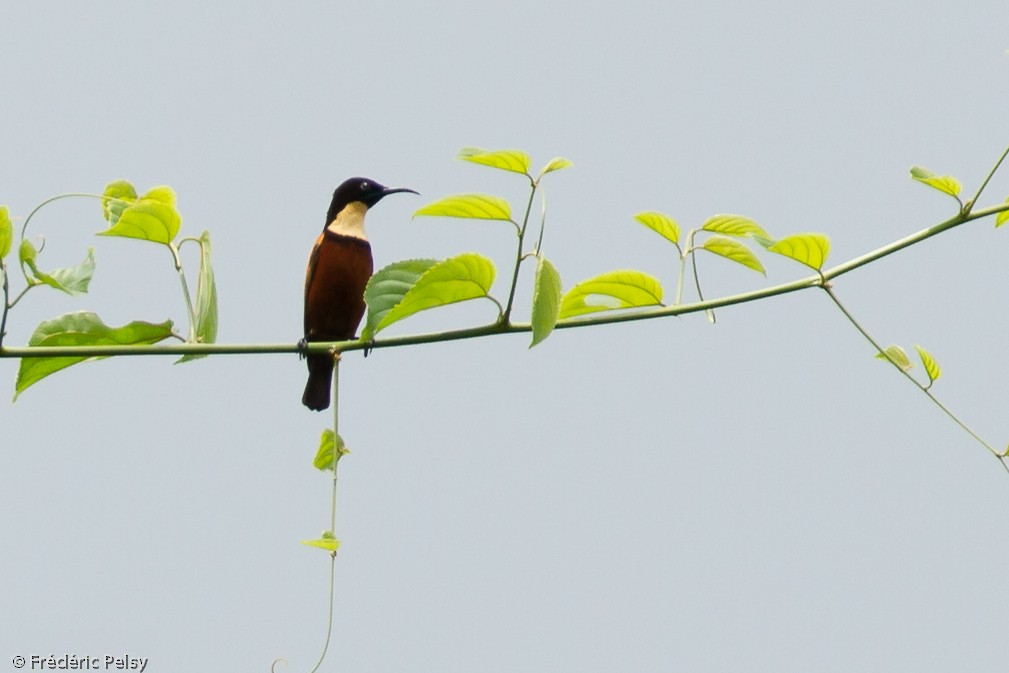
[[808, 249], [733, 225], [387, 288], [116, 208], [27, 254], [931, 366], [546, 300], [734, 250], [153, 217], [556, 164], [1000, 219], [205, 328], [74, 279], [611, 290], [118, 196], [81, 329], [6, 232], [661, 224], [466, 276], [946, 184], [474, 206], [897, 356], [324, 456], [327, 541], [515, 161]]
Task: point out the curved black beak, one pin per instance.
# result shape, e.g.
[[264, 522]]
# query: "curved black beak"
[[386, 191]]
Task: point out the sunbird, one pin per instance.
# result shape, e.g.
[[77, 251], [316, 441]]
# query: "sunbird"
[[338, 271]]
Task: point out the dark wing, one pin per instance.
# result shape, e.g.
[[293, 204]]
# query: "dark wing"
[[313, 262]]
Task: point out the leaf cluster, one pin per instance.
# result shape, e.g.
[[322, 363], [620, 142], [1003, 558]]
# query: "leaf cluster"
[[405, 288], [152, 216]]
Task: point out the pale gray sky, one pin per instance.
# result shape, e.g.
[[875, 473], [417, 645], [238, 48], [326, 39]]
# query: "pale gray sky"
[[758, 495]]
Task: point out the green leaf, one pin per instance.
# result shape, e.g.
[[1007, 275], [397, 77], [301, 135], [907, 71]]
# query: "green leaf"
[[1000, 219], [474, 206], [118, 195], [387, 288], [327, 541], [611, 290], [324, 456], [72, 280], [897, 355], [6, 232], [152, 217], [206, 295], [27, 257], [808, 249], [931, 366], [661, 224], [81, 329], [546, 300], [205, 329], [734, 250], [556, 164], [734, 225], [27, 254], [515, 161], [466, 276], [946, 184]]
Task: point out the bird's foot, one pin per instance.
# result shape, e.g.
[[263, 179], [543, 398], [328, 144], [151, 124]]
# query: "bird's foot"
[[302, 348]]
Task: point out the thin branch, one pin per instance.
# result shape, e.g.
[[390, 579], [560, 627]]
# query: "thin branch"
[[688, 249], [332, 509], [605, 318], [24, 227], [543, 222], [518, 255], [900, 244], [991, 174], [6, 307], [697, 284], [22, 293], [879, 349], [185, 292]]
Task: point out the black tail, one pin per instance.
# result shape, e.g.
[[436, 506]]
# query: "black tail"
[[320, 377]]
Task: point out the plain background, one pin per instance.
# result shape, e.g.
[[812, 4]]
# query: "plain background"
[[756, 495]]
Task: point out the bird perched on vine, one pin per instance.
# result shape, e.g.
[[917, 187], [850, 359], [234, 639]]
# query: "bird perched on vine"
[[338, 271]]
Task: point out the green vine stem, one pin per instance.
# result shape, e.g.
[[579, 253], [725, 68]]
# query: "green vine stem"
[[504, 326], [68, 195], [332, 508], [185, 286], [683, 266], [815, 280], [1001, 457], [710, 313], [987, 179], [6, 305], [543, 222], [505, 319]]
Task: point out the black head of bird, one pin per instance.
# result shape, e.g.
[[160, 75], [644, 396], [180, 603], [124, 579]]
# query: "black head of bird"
[[359, 190]]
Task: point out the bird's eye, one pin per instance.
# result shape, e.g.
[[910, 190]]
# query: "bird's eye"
[[364, 186]]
